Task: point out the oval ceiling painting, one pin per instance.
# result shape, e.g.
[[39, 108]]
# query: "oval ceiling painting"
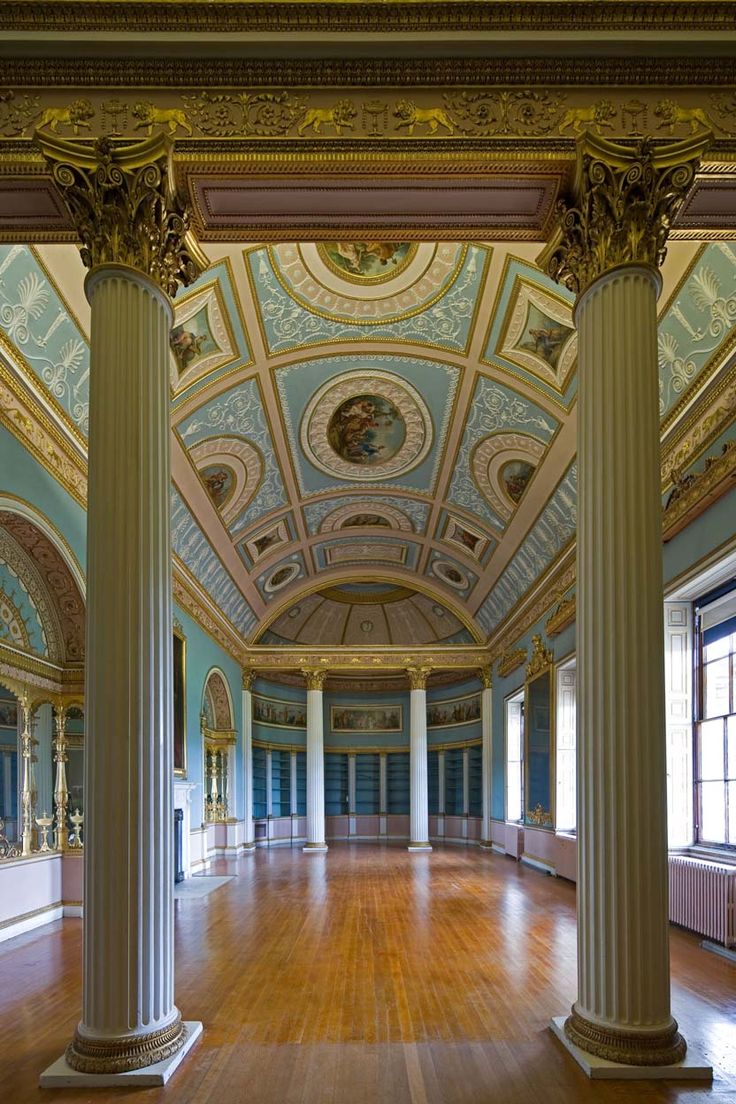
[[367, 261], [366, 429], [365, 426]]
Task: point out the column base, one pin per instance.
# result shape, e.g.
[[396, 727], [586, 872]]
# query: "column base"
[[423, 845], [60, 1074], [315, 848], [486, 845], [249, 848], [691, 1068], [628, 1046]]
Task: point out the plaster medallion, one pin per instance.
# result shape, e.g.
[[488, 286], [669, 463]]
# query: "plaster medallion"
[[281, 577], [450, 574], [502, 465], [366, 426], [367, 282]]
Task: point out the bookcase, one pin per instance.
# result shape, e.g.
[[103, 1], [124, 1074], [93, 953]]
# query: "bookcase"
[[475, 780], [454, 781], [433, 782], [367, 784], [336, 783], [280, 783], [397, 779], [259, 783], [301, 783]]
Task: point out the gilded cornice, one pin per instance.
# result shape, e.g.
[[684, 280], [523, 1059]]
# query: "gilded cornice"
[[562, 616], [510, 661], [389, 658], [695, 492], [352, 16]]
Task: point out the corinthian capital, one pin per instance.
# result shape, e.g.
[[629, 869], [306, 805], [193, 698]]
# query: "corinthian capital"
[[125, 206], [418, 677], [315, 678], [621, 207]]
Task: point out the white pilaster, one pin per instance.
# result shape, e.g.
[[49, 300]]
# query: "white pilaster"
[[249, 832], [486, 715], [419, 803], [315, 763]]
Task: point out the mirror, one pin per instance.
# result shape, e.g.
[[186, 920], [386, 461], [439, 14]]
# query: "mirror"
[[539, 738]]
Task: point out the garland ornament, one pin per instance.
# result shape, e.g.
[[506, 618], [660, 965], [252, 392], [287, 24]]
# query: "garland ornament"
[[623, 202]]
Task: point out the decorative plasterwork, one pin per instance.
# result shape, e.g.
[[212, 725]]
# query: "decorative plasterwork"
[[542, 658], [538, 334], [266, 541], [510, 661], [695, 492], [317, 514], [242, 472], [217, 703], [23, 589], [464, 536], [202, 339], [366, 426], [490, 466], [562, 616], [368, 514]]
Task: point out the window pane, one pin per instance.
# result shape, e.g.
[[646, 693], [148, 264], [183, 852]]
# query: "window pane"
[[712, 812], [715, 688], [711, 749], [718, 649], [513, 800], [731, 740]]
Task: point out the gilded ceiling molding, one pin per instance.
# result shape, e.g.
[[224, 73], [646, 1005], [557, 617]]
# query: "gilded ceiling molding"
[[621, 207], [125, 207], [220, 72], [347, 16], [386, 658], [562, 616], [511, 661], [717, 410], [549, 589], [695, 492]]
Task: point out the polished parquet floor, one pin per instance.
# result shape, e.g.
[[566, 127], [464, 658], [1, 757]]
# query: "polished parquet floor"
[[366, 976]]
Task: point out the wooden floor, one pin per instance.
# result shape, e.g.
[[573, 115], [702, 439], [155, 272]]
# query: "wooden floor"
[[363, 976]]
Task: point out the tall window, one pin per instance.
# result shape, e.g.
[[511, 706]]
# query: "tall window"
[[515, 757], [715, 759]]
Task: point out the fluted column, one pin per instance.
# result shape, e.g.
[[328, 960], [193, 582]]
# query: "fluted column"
[[26, 792], [61, 789], [613, 240], [486, 713], [315, 763], [132, 228], [249, 836], [419, 798]]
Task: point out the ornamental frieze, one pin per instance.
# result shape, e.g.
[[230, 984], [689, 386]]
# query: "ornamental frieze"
[[457, 113]]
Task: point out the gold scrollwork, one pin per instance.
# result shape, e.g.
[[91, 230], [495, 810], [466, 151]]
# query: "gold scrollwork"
[[541, 658], [621, 209], [125, 207], [562, 616], [509, 661]]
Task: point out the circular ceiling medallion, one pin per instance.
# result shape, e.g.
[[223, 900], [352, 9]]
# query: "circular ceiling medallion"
[[450, 574], [366, 425], [364, 262], [281, 577], [349, 281]]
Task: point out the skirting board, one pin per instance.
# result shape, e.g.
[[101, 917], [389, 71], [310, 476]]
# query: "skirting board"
[[31, 921], [60, 1074], [692, 1067], [719, 949]]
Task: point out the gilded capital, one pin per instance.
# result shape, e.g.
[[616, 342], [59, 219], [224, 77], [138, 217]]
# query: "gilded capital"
[[418, 677], [315, 678], [486, 677], [249, 677], [621, 207], [125, 207]]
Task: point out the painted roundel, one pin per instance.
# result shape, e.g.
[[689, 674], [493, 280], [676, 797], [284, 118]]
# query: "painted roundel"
[[365, 426], [281, 577]]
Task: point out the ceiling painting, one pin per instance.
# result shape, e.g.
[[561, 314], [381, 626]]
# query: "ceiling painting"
[[373, 418], [402, 454], [427, 313], [351, 511], [531, 332], [239, 415], [697, 322], [208, 338]]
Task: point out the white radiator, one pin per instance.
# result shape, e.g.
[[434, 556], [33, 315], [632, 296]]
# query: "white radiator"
[[703, 897]]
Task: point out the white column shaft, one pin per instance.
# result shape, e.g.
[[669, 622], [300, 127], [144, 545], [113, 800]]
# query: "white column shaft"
[[249, 837], [315, 772], [128, 910], [419, 803], [486, 713], [623, 960]]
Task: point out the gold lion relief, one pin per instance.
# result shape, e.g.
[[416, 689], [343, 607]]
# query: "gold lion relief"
[[409, 115], [340, 117], [149, 116]]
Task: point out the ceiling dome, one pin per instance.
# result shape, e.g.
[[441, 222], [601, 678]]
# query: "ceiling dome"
[[367, 614]]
